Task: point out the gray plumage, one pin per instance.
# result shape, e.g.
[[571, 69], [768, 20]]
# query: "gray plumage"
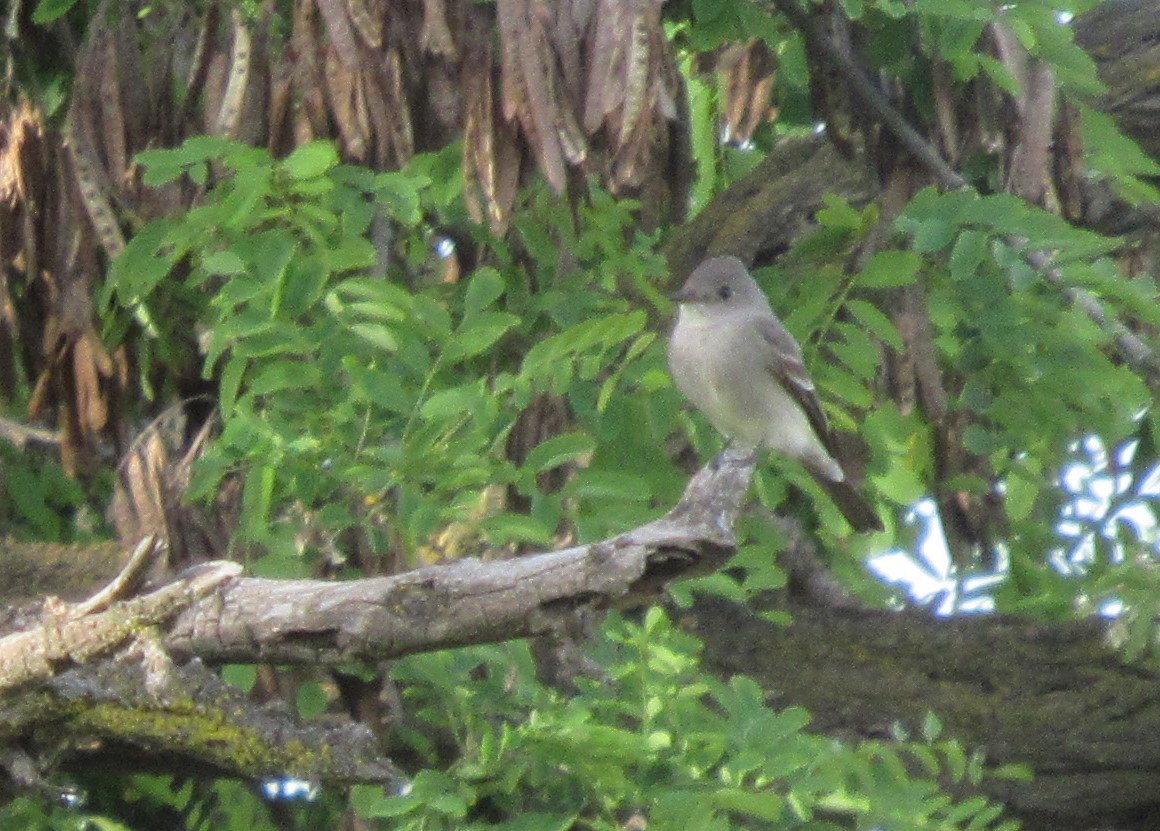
[[738, 364]]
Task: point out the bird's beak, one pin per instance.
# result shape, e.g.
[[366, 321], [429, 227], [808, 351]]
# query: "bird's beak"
[[683, 296]]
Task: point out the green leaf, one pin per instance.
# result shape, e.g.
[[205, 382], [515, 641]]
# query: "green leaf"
[[285, 375], [967, 808], [370, 290], [452, 402], [1072, 66], [844, 385], [854, 10], [399, 194], [231, 382], [223, 262], [351, 254], [706, 11], [192, 150], [838, 213], [980, 441], [483, 288], [875, 322], [372, 801], [269, 253], [931, 727], [281, 566], [439, 791], [377, 334], [933, 235], [477, 334], [890, 269], [163, 173], [970, 251], [383, 389], [705, 139], [311, 700], [508, 528], [927, 758], [766, 805], [537, 821], [856, 350], [609, 484], [377, 310], [899, 484], [28, 494], [247, 323], [311, 160], [257, 493], [147, 260], [242, 676], [999, 73], [683, 809], [279, 339], [47, 11], [1014, 771], [1111, 152], [301, 289], [559, 450], [432, 317]]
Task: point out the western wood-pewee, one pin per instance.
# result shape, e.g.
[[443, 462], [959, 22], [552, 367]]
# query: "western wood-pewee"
[[731, 356]]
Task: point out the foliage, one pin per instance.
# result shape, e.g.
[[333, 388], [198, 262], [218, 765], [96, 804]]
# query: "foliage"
[[349, 396], [1035, 335], [657, 739], [38, 501], [1000, 328], [362, 398]]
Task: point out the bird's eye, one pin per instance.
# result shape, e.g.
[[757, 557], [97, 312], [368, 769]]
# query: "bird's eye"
[[725, 292]]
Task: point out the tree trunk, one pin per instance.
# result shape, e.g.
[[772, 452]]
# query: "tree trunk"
[[1053, 696]]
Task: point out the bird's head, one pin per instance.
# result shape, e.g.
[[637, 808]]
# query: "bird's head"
[[722, 282]]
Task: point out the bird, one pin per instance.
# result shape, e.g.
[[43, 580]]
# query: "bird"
[[732, 357]]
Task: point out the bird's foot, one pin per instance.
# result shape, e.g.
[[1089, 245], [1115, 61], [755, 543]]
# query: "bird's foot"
[[734, 455]]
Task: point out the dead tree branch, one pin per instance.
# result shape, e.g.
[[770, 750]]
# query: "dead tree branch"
[[99, 680], [466, 601]]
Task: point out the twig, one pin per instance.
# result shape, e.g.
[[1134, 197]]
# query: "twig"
[[1138, 353], [119, 586], [22, 434]]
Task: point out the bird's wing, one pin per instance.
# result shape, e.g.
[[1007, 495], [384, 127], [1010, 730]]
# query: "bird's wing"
[[785, 362]]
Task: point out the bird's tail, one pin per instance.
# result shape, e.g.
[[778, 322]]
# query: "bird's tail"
[[854, 506]]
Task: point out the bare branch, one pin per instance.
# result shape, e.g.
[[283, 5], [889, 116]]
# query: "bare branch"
[[1138, 353], [466, 601]]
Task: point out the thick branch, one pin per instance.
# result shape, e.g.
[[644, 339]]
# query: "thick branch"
[[767, 210], [139, 711], [74, 635], [465, 601], [1051, 696], [62, 677]]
